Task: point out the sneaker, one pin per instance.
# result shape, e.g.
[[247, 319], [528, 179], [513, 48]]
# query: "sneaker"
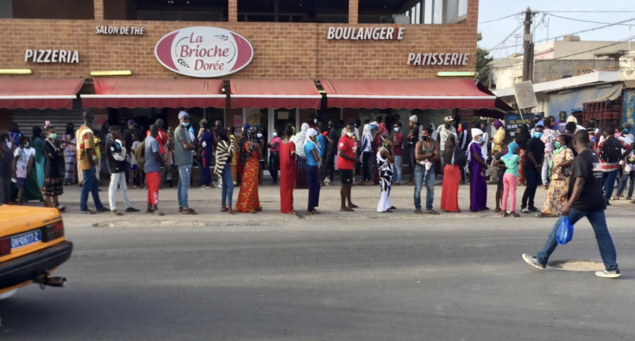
[[533, 261], [533, 209], [88, 212], [131, 209], [103, 209], [431, 211], [157, 212], [113, 212], [525, 210], [418, 212], [608, 273]]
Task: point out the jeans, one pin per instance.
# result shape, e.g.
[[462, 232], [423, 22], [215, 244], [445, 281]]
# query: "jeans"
[[89, 185], [545, 170], [602, 235], [184, 184], [608, 182], [622, 184], [532, 177], [274, 160], [206, 174], [228, 185], [366, 157], [419, 176], [397, 168], [118, 179]]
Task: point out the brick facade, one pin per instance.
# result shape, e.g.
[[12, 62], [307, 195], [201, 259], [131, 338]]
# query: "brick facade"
[[281, 50]]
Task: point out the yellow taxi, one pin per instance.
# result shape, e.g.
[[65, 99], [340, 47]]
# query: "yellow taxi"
[[32, 246]]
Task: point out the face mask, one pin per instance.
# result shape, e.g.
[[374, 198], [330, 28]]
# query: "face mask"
[[315, 120], [480, 139], [625, 131], [185, 124], [557, 144], [26, 145], [537, 135], [425, 138], [52, 136], [396, 129], [459, 129], [259, 135], [349, 134], [275, 134]]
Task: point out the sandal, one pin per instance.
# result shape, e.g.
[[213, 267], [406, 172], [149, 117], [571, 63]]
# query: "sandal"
[[346, 209]]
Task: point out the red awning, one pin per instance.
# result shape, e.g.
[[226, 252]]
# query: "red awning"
[[38, 93], [274, 93], [407, 93], [155, 93]]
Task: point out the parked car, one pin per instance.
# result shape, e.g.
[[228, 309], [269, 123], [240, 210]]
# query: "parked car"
[[32, 246]]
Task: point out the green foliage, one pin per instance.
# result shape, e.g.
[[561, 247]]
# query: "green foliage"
[[482, 63]]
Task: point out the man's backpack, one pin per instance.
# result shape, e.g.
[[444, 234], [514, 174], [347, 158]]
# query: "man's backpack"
[[140, 154], [611, 150]]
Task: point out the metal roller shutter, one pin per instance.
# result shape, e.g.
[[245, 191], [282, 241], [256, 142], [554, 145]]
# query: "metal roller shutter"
[[27, 119]]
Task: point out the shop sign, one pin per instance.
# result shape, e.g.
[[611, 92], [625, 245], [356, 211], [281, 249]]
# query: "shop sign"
[[365, 33], [422, 59], [204, 52], [513, 121], [51, 56], [120, 30]]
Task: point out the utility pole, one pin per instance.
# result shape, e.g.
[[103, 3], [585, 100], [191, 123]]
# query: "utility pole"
[[528, 46]]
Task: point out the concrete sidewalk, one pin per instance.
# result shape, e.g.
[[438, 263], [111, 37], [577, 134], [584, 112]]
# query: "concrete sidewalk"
[[207, 203]]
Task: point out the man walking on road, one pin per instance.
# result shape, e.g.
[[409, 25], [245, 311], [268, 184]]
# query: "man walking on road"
[[183, 159], [87, 164], [584, 199]]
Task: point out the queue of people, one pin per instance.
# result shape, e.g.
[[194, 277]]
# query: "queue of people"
[[538, 153]]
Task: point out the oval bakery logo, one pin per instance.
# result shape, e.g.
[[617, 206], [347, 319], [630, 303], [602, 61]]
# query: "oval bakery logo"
[[204, 52]]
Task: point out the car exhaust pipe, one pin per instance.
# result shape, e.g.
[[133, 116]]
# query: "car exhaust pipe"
[[45, 280]]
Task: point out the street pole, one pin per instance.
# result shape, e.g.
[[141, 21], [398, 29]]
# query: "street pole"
[[528, 46]]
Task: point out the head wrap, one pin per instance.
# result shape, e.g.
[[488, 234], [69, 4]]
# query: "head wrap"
[[305, 127], [414, 118], [183, 114], [310, 133], [476, 132], [511, 148], [246, 127], [497, 124], [252, 138]]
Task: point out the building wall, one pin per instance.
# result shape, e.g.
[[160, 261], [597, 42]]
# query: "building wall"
[[281, 50]]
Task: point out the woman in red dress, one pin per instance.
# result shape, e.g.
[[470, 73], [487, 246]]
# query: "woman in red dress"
[[287, 171], [248, 201], [451, 176]]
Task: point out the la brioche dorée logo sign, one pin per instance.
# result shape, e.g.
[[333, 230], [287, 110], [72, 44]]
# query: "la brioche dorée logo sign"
[[204, 52]]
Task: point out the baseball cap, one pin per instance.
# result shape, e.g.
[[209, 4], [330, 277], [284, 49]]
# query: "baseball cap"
[[414, 118], [449, 119]]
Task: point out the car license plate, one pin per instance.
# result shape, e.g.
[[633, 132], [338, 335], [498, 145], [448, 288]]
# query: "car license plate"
[[26, 239]]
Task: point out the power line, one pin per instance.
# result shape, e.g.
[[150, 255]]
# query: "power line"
[[564, 35], [587, 21], [588, 11], [501, 18]]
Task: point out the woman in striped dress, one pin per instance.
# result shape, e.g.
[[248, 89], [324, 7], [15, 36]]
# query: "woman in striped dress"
[[224, 152]]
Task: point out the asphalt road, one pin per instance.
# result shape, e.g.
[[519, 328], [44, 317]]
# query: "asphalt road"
[[329, 278]]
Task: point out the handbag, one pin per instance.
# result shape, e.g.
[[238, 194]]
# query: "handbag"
[[565, 231]]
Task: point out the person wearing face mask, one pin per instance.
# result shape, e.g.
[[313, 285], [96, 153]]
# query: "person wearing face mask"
[[478, 167], [559, 172], [347, 155], [6, 167], [535, 152], [426, 154], [274, 156], [312, 159], [183, 158], [548, 138], [53, 175], [397, 149], [331, 151]]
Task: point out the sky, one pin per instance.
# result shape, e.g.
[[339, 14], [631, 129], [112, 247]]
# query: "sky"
[[500, 36]]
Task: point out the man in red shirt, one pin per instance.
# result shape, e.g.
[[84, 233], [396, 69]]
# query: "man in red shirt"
[[346, 157]]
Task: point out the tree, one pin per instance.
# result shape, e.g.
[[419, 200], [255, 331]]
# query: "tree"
[[482, 62]]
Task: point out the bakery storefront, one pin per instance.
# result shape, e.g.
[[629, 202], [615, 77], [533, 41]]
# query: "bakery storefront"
[[266, 63]]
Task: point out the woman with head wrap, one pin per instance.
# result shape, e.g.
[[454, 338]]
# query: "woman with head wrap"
[[510, 180], [559, 172], [287, 171], [478, 167], [248, 200], [367, 153], [451, 174], [385, 160], [522, 136], [381, 130], [312, 159], [300, 161]]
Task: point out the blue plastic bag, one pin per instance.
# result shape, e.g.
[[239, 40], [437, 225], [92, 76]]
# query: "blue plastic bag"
[[565, 231]]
